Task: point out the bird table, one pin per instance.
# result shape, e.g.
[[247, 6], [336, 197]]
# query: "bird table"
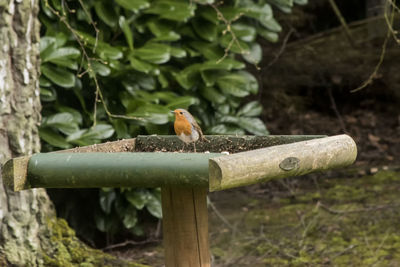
[[184, 178]]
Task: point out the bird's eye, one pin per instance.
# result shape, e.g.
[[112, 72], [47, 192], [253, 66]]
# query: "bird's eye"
[[181, 113]]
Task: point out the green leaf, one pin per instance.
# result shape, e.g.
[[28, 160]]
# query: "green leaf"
[[223, 109], [163, 80], [153, 205], [251, 109], [59, 76], [106, 12], [59, 53], [253, 125], [146, 82], [272, 25], [212, 95], [56, 5], [163, 30], [126, 29], [104, 50], [182, 102], [65, 62], [189, 76], [254, 55], [101, 69], [154, 53], [210, 77], [210, 51], [238, 84], [45, 43], [53, 138], [226, 129], [156, 129], [138, 198], [133, 83], [226, 64], [230, 12], [251, 81], [205, 2], [77, 117], [106, 223], [63, 121], [138, 230], [301, 2], [76, 137], [152, 113], [47, 94], [244, 32], [205, 29], [208, 13], [120, 128], [133, 5], [43, 82], [288, 3], [100, 131], [260, 13], [268, 35], [140, 65], [107, 200], [172, 9], [130, 218], [236, 46], [178, 52]]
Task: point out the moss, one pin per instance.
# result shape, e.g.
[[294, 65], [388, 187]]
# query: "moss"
[[67, 250], [386, 176], [357, 226]]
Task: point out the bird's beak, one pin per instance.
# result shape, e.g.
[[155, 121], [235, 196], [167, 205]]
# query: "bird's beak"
[[172, 111]]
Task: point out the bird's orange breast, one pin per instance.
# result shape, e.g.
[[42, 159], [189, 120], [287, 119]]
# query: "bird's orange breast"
[[182, 125]]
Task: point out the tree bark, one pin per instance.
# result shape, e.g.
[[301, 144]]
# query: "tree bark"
[[22, 214]]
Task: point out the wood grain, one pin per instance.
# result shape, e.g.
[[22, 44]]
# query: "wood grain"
[[185, 223]]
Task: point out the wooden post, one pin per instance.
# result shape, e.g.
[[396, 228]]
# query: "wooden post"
[[185, 227]]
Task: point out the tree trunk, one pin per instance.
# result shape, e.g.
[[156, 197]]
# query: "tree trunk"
[[30, 232], [22, 214]]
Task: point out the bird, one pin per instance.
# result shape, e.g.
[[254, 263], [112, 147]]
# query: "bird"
[[186, 127]]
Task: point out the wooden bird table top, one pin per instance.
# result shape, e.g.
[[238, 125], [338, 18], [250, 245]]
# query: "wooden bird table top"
[[251, 159]]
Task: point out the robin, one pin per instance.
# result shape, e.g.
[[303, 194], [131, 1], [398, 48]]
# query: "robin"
[[186, 127]]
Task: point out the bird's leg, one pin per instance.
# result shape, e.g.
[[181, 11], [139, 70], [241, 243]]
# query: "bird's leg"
[[184, 144], [194, 147]]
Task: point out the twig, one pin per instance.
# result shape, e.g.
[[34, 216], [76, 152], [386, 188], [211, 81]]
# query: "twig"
[[228, 29], [374, 74], [343, 251], [131, 242], [281, 49], [92, 23], [220, 216], [373, 208], [382, 242], [334, 107], [340, 17]]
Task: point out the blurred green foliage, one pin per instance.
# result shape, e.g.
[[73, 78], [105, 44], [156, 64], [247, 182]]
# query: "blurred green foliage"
[[142, 59]]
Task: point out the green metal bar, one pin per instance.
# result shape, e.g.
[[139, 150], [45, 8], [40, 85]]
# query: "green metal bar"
[[80, 170]]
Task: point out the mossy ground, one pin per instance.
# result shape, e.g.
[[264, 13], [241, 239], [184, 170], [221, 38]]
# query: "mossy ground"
[[308, 221], [330, 222], [68, 251]]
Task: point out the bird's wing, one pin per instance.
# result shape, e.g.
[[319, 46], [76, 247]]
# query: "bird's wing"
[[198, 129]]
